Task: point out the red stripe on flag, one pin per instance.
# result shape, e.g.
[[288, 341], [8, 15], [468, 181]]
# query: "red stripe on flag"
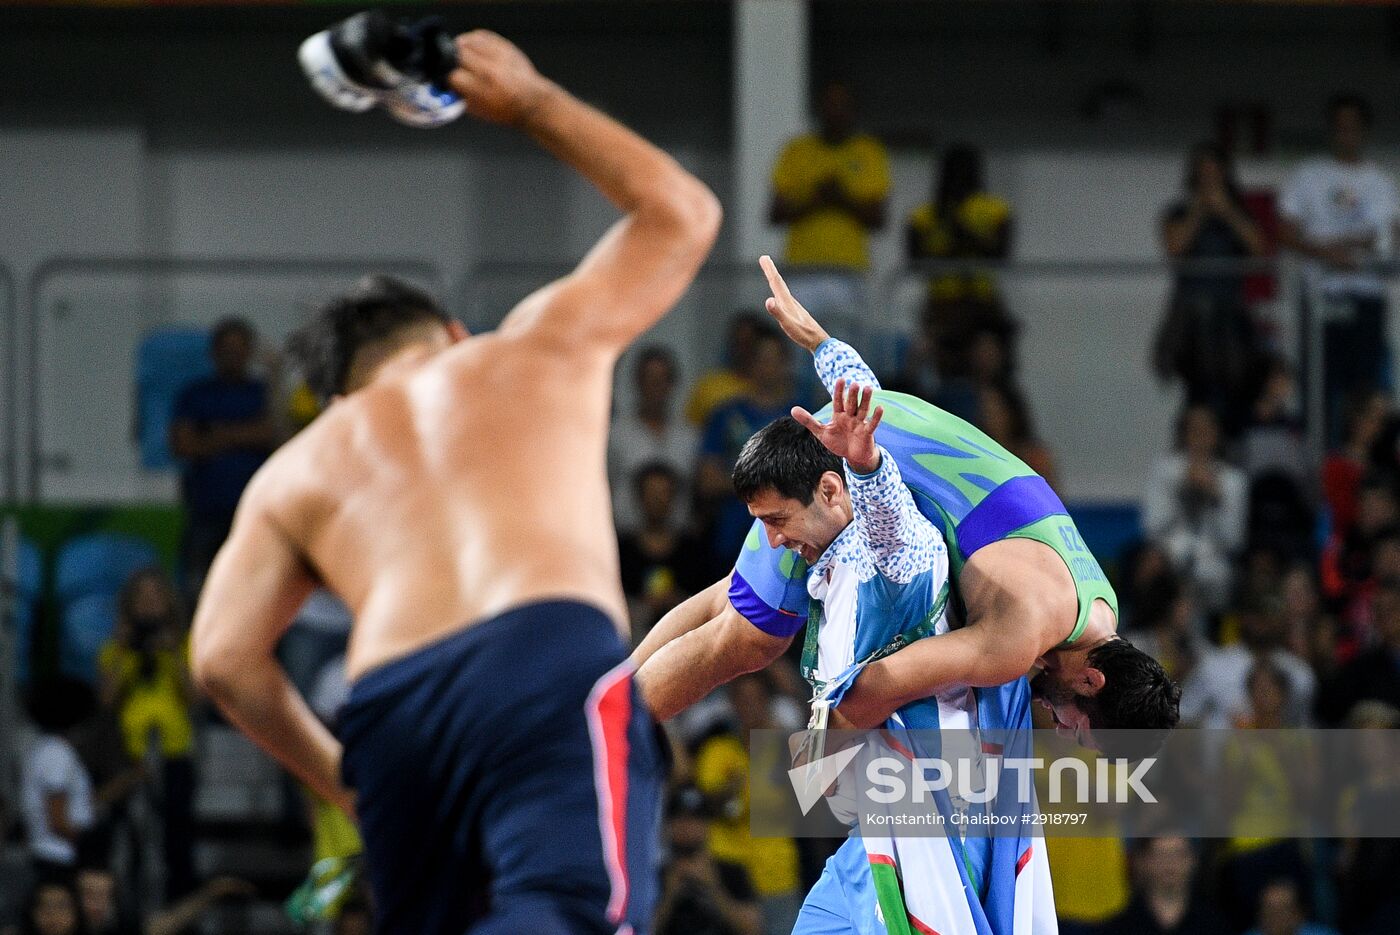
[[609, 710], [898, 747], [918, 926], [888, 861], [1024, 859]]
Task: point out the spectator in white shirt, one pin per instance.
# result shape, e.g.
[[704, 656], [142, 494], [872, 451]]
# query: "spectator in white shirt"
[[1340, 211], [56, 796], [651, 433], [1216, 693], [1195, 508]]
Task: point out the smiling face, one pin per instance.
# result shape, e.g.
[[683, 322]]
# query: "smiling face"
[[807, 530]]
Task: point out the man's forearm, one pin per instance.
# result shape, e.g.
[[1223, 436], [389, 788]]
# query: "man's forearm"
[[690, 614], [628, 170], [262, 702], [688, 668], [960, 657]]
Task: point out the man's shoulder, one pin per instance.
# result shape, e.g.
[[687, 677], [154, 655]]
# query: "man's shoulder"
[[295, 473]]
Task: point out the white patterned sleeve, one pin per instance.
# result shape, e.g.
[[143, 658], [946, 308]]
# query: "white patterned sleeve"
[[901, 541], [837, 360]]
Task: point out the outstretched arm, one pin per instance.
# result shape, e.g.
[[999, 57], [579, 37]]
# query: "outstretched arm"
[[900, 538], [835, 360], [973, 655], [643, 265], [691, 666]]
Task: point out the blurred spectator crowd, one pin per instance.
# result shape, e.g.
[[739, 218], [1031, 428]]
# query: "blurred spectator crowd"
[[1268, 585]]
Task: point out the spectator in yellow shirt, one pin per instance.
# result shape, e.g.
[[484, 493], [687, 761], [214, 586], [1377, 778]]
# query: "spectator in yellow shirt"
[[722, 770], [145, 677], [963, 222], [720, 385], [830, 188]]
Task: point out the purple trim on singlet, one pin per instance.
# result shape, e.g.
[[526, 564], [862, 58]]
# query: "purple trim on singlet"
[[771, 620], [1016, 503]]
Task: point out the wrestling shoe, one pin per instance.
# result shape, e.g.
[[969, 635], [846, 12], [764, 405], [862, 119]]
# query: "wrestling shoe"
[[370, 60]]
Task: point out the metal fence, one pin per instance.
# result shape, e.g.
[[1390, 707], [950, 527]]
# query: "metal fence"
[[1086, 330], [86, 318], [9, 405]]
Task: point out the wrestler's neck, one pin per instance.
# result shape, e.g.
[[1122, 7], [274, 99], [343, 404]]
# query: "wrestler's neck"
[[402, 361], [1102, 624], [1101, 627]]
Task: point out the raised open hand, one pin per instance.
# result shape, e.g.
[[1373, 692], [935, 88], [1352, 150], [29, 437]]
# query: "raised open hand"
[[849, 434], [797, 323]]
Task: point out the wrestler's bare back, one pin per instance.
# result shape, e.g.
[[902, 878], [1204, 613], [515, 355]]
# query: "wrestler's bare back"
[[454, 482], [473, 483]]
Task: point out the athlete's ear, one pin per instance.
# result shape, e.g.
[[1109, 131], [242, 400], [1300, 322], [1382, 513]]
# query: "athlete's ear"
[[1091, 681], [830, 487], [456, 331]]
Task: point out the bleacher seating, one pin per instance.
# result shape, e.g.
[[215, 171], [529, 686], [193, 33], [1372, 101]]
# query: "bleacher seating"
[[167, 361], [88, 575], [29, 592]]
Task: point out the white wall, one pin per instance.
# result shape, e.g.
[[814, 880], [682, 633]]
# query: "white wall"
[[71, 191], [1084, 344]]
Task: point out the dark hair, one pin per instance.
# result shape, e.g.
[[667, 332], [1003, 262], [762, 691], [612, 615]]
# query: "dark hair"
[[759, 677], [959, 175], [58, 703], [744, 318], [378, 307], [1017, 410], [785, 457], [652, 469], [1218, 154], [656, 352], [763, 331], [126, 598], [230, 326], [1138, 704], [1348, 100]]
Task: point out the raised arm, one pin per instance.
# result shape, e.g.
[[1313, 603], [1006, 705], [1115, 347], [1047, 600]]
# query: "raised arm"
[[643, 265], [900, 540], [835, 360]]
